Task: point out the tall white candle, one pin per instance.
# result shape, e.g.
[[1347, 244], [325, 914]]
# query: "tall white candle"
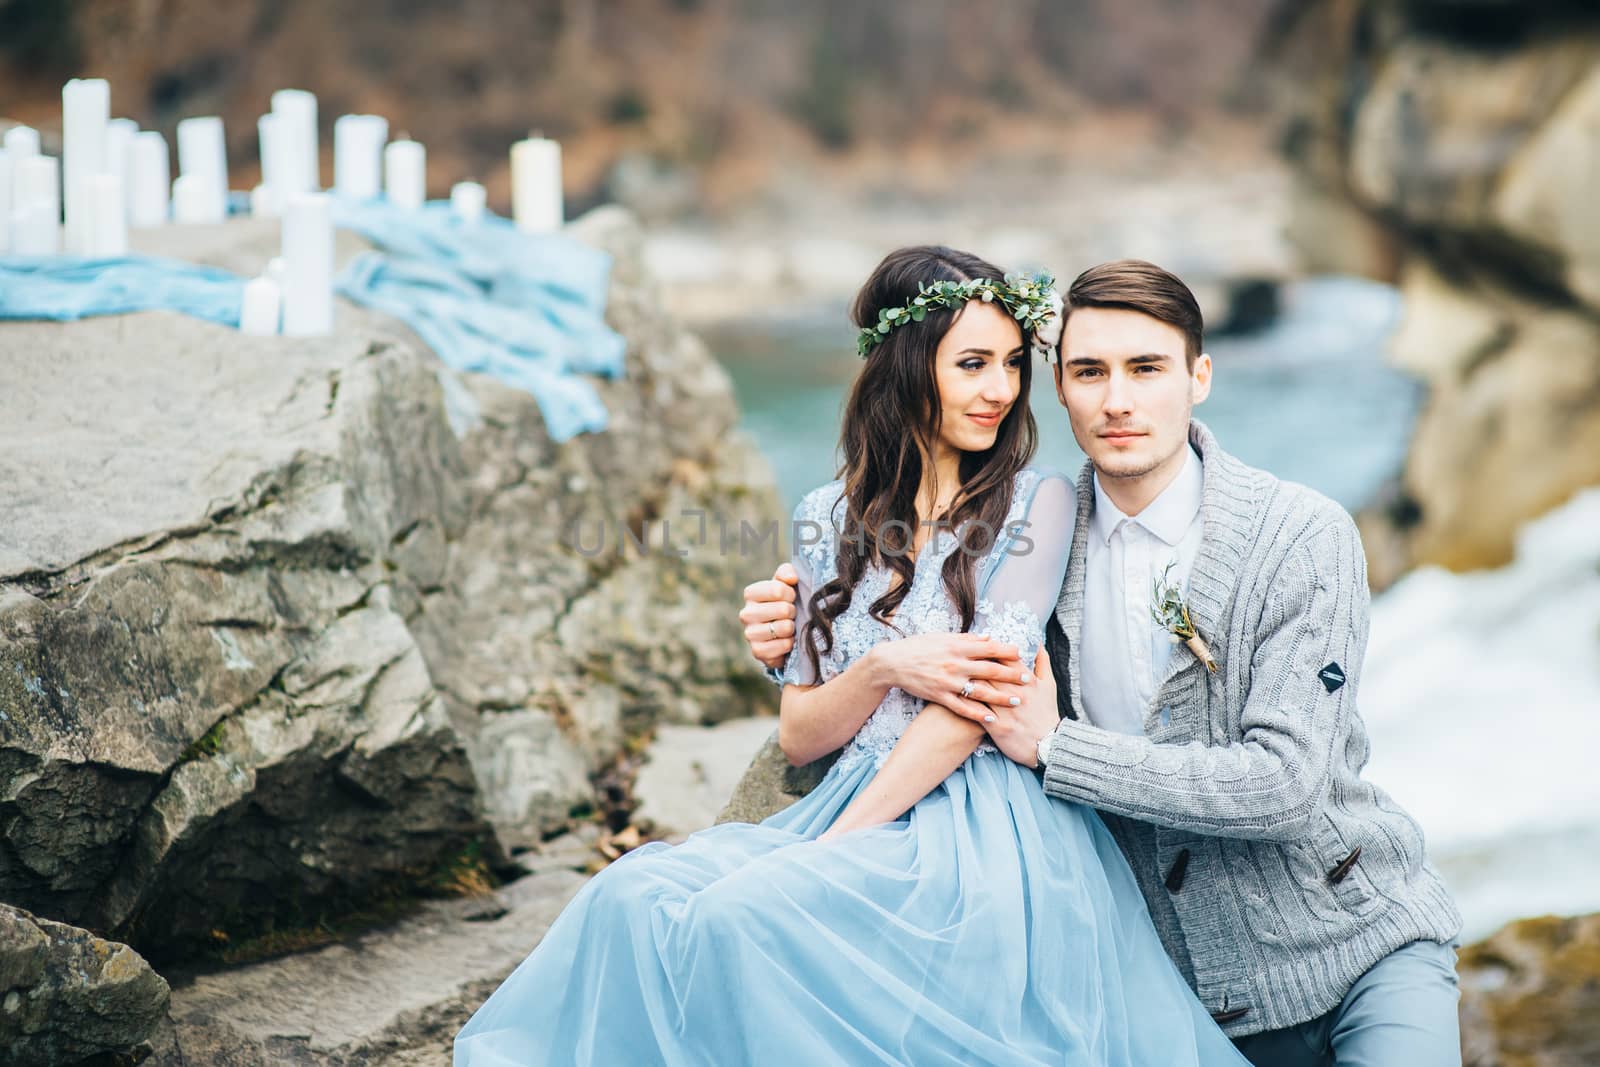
[[85, 114], [405, 168], [149, 179], [358, 142], [106, 226], [308, 265], [536, 200], [297, 109], [22, 141], [203, 154], [467, 200], [194, 200], [262, 307], [5, 201]]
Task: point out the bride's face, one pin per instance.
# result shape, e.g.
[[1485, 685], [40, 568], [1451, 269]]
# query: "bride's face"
[[978, 372]]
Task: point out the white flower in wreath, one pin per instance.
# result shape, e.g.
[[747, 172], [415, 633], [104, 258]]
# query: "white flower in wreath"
[[1048, 336]]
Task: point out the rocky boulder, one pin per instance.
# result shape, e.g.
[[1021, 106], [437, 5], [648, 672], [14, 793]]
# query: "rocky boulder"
[[1530, 995], [66, 995], [1455, 147], [285, 624], [772, 783]]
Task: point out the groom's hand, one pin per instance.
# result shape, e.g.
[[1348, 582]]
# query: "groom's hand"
[[768, 616], [1016, 729]]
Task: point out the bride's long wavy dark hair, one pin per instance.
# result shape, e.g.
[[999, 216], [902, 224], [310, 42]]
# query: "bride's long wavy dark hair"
[[891, 420]]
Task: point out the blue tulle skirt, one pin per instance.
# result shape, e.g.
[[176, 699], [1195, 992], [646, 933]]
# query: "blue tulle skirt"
[[991, 925]]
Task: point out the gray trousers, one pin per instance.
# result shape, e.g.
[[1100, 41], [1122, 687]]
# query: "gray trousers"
[[1402, 1011]]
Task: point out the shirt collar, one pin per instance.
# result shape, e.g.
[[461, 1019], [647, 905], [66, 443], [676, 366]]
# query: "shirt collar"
[[1168, 516]]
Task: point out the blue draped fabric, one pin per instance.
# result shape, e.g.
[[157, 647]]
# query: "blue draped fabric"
[[64, 288], [527, 310]]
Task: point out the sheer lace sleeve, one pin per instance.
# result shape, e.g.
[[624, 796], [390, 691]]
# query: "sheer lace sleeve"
[[797, 669], [812, 535], [1022, 576]]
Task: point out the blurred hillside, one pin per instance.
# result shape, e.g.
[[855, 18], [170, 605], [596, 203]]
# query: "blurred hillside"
[[681, 108]]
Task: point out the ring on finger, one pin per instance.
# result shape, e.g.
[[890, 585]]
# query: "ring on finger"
[[773, 630], [966, 690]]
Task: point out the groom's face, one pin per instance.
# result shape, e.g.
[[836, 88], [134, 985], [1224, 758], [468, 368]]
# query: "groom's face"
[[1128, 389]]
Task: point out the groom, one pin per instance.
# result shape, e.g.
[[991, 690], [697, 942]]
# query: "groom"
[[1293, 895]]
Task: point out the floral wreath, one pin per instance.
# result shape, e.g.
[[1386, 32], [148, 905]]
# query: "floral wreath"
[[1030, 298]]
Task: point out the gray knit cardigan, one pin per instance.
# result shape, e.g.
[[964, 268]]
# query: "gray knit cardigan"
[[1275, 875]]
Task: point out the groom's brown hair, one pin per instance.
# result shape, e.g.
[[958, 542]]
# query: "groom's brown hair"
[[1144, 287]]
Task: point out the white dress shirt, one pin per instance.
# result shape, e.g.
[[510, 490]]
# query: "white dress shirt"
[[1124, 650]]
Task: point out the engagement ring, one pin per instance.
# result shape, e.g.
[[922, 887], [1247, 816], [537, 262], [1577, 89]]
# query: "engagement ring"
[[966, 690]]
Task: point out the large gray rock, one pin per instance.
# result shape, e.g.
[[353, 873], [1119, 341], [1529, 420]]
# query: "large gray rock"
[[66, 995], [214, 712], [286, 623]]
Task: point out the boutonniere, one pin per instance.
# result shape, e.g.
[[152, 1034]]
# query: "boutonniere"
[[1168, 609]]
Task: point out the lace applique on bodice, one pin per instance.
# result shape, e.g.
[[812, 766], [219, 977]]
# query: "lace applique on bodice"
[[926, 609]]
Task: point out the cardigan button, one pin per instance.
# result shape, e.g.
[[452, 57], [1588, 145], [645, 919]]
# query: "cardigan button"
[[1180, 867], [1222, 1018], [1337, 875]]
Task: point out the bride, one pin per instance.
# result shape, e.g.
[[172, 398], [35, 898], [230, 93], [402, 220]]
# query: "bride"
[[926, 903]]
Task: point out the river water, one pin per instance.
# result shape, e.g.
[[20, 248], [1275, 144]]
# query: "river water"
[[1481, 691]]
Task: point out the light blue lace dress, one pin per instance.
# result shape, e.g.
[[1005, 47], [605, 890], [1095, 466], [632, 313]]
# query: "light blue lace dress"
[[989, 925]]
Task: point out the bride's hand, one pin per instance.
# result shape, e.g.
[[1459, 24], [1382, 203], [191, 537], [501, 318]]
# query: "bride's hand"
[[1016, 729], [938, 667]]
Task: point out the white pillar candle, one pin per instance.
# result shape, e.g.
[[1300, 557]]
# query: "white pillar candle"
[[297, 110], [35, 206], [358, 142], [34, 232], [536, 201], [85, 114], [22, 141], [308, 265], [260, 312], [194, 200], [263, 205], [467, 200], [36, 183], [149, 179], [277, 165], [106, 224], [203, 155], [119, 152], [405, 168], [5, 201]]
